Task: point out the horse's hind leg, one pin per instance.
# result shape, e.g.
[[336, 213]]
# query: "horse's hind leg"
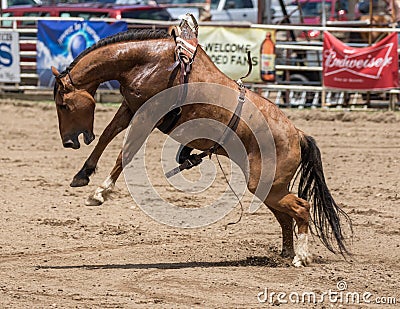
[[299, 210], [286, 223], [119, 123], [105, 188]]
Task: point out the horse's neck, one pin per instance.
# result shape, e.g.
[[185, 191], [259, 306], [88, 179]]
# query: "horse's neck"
[[204, 70], [142, 68], [112, 61]]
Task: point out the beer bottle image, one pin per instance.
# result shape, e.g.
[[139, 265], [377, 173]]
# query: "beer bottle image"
[[267, 59]]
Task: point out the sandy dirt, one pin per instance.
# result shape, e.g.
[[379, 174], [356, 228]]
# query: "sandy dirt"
[[57, 253]]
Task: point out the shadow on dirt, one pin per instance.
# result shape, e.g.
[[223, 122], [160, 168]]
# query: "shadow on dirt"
[[250, 261]]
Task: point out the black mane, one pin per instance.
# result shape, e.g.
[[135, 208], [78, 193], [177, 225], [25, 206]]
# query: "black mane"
[[130, 35]]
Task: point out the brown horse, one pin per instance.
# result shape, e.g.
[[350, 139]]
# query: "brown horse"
[[378, 21], [141, 62]]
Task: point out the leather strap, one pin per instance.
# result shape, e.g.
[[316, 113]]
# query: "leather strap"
[[185, 36], [170, 120], [196, 159]]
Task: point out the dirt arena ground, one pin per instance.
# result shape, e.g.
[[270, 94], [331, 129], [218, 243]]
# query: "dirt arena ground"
[[57, 253]]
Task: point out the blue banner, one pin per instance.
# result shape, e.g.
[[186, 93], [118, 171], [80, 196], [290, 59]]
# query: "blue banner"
[[59, 42]]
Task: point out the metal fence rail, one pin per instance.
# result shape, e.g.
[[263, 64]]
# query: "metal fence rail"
[[300, 92]]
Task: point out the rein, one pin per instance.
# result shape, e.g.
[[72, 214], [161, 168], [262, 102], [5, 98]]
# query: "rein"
[[70, 77]]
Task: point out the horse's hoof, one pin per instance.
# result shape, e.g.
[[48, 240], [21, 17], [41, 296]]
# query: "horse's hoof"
[[297, 262], [93, 201], [79, 182], [96, 199], [303, 257], [301, 261]]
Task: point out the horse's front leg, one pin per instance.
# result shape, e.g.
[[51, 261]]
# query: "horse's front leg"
[[105, 188], [119, 123]]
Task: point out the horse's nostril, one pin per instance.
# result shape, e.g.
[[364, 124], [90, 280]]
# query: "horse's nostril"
[[68, 144], [88, 137]]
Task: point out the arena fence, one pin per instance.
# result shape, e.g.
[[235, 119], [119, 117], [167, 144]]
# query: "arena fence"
[[299, 79]]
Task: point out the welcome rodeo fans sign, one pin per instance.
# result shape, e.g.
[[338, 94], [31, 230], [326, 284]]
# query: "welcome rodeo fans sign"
[[9, 57], [370, 68], [227, 48]]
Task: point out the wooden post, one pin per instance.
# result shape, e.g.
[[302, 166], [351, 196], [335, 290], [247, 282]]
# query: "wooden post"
[[392, 101], [394, 13], [393, 96], [371, 15], [261, 11], [323, 92]]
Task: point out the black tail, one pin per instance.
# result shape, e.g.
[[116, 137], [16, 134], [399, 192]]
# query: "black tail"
[[312, 187]]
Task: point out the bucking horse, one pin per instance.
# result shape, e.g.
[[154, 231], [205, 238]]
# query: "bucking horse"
[[145, 63]]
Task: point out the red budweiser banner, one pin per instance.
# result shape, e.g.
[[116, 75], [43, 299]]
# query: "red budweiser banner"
[[370, 68]]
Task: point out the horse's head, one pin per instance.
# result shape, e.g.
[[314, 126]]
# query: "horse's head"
[[75, 110]]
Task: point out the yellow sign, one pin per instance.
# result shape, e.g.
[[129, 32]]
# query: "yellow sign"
[[227, 47]]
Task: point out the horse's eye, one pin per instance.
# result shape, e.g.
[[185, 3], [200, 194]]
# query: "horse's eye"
[[63, 106]]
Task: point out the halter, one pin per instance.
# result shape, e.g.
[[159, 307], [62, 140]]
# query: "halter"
[[67, 72]]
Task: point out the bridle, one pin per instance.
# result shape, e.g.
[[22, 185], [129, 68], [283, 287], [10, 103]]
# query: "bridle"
[[67, 72]]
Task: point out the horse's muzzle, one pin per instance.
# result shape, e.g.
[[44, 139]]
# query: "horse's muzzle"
[[88, 137], [73, 141]]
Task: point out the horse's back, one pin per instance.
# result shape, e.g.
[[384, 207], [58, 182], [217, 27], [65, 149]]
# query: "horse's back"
[[286, 139]]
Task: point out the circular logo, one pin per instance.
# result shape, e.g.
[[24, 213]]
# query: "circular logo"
[[341, 285], [78, 44]]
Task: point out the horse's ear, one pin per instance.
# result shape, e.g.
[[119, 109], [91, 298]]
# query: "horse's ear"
[[55, 71], [174, 31]]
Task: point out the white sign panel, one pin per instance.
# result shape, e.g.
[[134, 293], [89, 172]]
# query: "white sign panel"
[[227, 48], [10, 71]]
